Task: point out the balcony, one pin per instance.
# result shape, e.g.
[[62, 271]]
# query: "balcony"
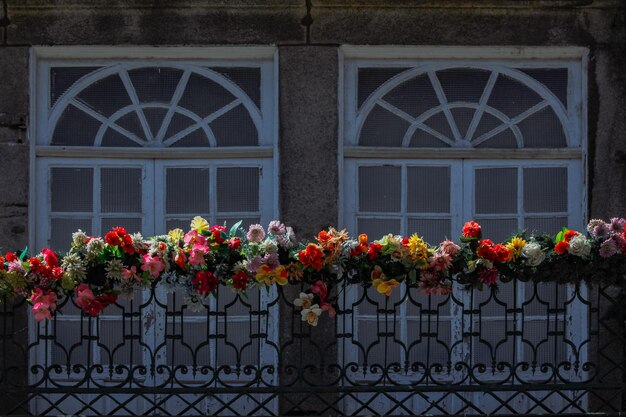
[[527, 348]]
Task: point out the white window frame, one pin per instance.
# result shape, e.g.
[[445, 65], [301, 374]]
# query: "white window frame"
[[350, 155], [43, 156]]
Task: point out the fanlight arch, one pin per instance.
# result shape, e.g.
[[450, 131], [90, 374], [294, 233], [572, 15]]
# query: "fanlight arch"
[[417, 123], [155, 132]]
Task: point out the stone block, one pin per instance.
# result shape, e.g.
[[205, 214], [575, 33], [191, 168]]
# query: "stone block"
[[13, 84], [14, 175]]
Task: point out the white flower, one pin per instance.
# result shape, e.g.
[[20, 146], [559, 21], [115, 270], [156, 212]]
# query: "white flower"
[[79, 238], [533, 254], [95, 246], [114, 268], [74, 266], [269, 246], [312, 314], [138, 243], [579, 246], [305, 300]]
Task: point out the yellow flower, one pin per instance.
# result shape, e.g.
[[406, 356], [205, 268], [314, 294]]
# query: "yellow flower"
[[199, 224], [270, 276], [176, 235], [418, 248], [515, 246], [385, 287]]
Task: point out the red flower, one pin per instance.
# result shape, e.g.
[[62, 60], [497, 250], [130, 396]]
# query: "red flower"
[[112, 239], [486, 250], [311, 256], [1, 263], [240, 280], [234, 243], [120, 231], [205, 282], [127, 244], [359, 250], [569, 235], [374, 250], [471, 229], [502, 253], [35, 264], [561, 247], [10, 257], [57, 273], [217, 233], [50, 257]]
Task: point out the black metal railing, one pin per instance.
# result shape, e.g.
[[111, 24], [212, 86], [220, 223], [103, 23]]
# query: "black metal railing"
[[528, 348]]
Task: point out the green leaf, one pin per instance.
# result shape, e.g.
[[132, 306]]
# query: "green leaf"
[[223, 235], [245, 295], [23, 254], [233, 230], [206, 232]]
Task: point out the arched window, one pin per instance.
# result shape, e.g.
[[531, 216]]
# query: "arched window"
[[433, 137], [147, 138]]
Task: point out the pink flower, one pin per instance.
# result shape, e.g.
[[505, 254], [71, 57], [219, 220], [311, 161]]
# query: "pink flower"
[[276, 228], [196, 256], [320, 289], [193, 238], [449, 247], [328, 307], [153, 264], [44, 304], [441, 262], [131, 274], [608, 248], [255, 233], [617, 225], [84, 296]]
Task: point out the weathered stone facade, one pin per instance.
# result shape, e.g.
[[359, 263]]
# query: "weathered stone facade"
[[308, 74]]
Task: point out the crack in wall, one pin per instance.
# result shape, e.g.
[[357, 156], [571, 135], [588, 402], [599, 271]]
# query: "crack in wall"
[[5, 22]]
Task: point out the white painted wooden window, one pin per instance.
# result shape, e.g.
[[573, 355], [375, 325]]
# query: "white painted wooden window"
[[433, 137], [147, 138]]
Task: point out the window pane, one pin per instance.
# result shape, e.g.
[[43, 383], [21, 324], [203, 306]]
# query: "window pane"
[[429, 189], [496, 190], [379, 189], [383, 128], [71, 189], [61, 231], [183, 224], [237, 189], [377, 228], [545, 190], [132, 225], [432, 231], [106, 96], [550, 225], [498, 229], [187, 190], [120, 190]]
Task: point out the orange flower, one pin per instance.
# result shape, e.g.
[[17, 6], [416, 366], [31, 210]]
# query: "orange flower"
[[294, 272], [311, 256], [363, 239]]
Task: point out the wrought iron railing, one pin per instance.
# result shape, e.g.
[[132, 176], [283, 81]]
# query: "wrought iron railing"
[[529, 348]]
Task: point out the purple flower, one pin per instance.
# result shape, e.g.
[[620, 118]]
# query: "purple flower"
[[276, 228], [271, 260], [254, 264], [608, 248], [601, 230], [617, 225], [255, 233]]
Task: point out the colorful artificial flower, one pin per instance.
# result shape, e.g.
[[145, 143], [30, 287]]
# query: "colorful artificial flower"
[[515, 246], [304, 300], [418, 248], [311, 315], [205, 282], [199, 224], [255, 233], [153, 265], [311, 256], [270, 276], [44, 304], [471, 229]]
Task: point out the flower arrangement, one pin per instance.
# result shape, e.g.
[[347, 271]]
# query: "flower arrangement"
[[197, 262]]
